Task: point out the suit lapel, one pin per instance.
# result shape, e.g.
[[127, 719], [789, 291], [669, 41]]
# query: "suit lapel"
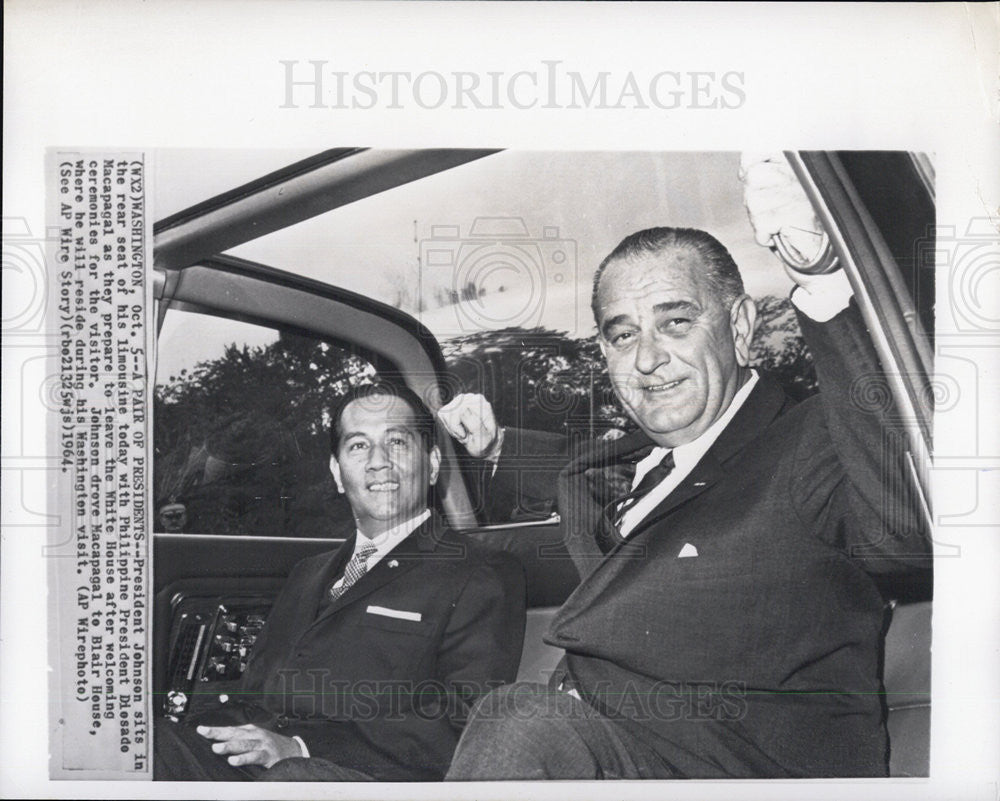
[[317, 589], [706, 473], [308, 598], [409, 553], [765, 402]]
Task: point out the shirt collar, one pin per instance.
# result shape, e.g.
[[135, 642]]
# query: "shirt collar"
[[388, 540]]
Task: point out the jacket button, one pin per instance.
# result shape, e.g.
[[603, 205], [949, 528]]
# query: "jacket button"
[[282, 721]]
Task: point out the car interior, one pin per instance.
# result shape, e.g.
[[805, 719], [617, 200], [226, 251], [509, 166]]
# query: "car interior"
[[219, 562]]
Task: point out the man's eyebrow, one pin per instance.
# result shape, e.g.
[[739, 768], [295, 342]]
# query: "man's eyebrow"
[[677, 305], [400, 429], [611, 322]]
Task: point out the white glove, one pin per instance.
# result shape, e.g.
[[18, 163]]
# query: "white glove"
[[776, 203]]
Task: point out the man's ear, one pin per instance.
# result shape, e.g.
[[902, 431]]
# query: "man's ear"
[[435, 460], [743, 321], [335, 470]]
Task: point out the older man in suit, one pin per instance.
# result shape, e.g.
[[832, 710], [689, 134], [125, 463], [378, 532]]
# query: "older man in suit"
[[373, 653], [728, 622]]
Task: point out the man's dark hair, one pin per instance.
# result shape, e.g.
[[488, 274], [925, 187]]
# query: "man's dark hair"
[[423, 420], [721, 272]]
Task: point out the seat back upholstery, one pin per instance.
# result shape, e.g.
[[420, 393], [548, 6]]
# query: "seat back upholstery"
[[907, 682], [538, 659], [906, 677]]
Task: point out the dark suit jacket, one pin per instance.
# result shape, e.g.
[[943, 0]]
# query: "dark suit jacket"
[[380, 694], [523, 486], [759, 656]]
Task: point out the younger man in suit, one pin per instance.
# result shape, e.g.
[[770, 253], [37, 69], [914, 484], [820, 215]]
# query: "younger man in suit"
[[373, 653]]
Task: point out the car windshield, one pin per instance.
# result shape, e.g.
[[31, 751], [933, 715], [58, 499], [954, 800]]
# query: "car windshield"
[[510, 240]]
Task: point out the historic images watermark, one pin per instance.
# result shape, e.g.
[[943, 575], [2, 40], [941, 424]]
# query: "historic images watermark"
[[316, 84], [320, 693]]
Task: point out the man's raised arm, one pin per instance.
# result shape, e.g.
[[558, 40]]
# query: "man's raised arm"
[[852, 484], [515, 470]]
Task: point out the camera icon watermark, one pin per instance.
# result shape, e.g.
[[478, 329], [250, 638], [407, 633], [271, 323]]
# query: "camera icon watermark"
[[497, 276], [24, 278], [971, 262], [28, 349]]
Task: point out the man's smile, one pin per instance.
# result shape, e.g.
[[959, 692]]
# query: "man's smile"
[[383, 486], [666, 386]]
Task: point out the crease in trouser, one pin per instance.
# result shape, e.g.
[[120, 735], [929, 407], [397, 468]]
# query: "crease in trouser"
[[529, 731]]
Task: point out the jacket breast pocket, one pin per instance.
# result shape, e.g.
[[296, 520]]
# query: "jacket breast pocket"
[[397, 625], [707, 568]]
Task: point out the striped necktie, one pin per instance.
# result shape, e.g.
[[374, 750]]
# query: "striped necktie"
[[355, 569], [608, 532], [653, 477]]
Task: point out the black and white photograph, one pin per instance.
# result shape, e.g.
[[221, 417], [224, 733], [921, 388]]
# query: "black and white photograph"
[[764, 612], [466, 400]]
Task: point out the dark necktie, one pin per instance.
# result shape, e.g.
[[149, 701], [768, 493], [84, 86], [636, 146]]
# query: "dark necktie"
[[653, 477], [355, 569], [610, 536]]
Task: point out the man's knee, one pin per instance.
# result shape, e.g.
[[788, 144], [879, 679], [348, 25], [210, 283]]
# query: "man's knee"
[[522, 731], [521, 706], [521, 701]]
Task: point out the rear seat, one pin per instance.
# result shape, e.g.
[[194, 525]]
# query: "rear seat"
[[538, 659], [907, 679]]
